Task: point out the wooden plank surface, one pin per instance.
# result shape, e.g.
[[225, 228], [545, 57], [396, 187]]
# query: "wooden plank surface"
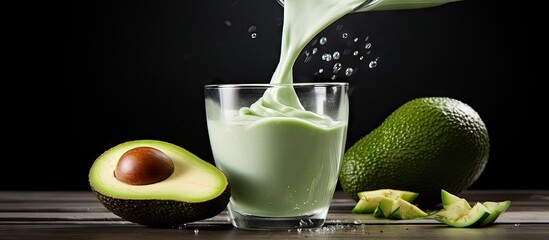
[[79, 215]]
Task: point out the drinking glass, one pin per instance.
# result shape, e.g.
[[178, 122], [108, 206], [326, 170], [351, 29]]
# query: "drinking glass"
[[280, 146]]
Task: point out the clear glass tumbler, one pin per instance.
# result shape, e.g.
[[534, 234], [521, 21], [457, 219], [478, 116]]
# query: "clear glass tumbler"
[[281, 148]]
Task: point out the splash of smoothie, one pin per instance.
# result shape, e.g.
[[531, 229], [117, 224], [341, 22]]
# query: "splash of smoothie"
[[303, 20]]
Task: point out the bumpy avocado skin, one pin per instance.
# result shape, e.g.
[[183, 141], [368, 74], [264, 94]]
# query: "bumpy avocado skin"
[[426, 145], [164, 213]]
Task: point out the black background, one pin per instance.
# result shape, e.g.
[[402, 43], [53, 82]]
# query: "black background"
[[87, 75]]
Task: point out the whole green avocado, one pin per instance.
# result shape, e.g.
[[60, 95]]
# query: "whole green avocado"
[[425, 145]]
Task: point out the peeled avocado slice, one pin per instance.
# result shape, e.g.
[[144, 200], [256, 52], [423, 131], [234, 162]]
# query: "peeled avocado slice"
[[195, 190]]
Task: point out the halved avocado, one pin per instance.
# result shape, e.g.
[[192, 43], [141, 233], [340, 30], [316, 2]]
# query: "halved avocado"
[[158, 184]]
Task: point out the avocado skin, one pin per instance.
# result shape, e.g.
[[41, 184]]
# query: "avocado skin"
[[164, 213], [426, 145]]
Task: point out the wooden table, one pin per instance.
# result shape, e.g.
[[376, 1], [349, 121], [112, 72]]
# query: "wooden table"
[[78, 215]]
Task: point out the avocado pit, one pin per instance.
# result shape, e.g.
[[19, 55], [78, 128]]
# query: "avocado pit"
[[143, 166]]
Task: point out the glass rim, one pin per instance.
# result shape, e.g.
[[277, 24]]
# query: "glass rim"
[[267, 85]]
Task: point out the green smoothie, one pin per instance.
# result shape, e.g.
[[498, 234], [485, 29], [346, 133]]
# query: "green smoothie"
[[279, 166]]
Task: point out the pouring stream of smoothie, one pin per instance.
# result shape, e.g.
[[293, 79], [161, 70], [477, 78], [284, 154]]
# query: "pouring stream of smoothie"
[[303, 20]]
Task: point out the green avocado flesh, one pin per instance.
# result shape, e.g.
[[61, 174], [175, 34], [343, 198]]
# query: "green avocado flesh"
[[390, 193], [406, 210], [369, 200], [195, 190], [450, 200], [459, 217], [398, 208], [457, 212], [389, 203], [495, 208]]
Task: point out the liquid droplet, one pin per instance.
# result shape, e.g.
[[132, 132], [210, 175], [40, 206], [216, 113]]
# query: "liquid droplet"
[[196, 232], [308, 58], [336, 55], [252, 29], [337, 67], [368, 45], [355, 53], [344, 35], [373, 63], [327, 57], [323, 40], [348, 72]]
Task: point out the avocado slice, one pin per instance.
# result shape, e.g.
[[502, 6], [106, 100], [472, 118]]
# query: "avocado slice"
[[369, 200], [187, 188], [406, 210], [461, 217], [449, 199], [495, 208], [390, 193], [398, 208], [367, 204], [458, 212], [386, 207]]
